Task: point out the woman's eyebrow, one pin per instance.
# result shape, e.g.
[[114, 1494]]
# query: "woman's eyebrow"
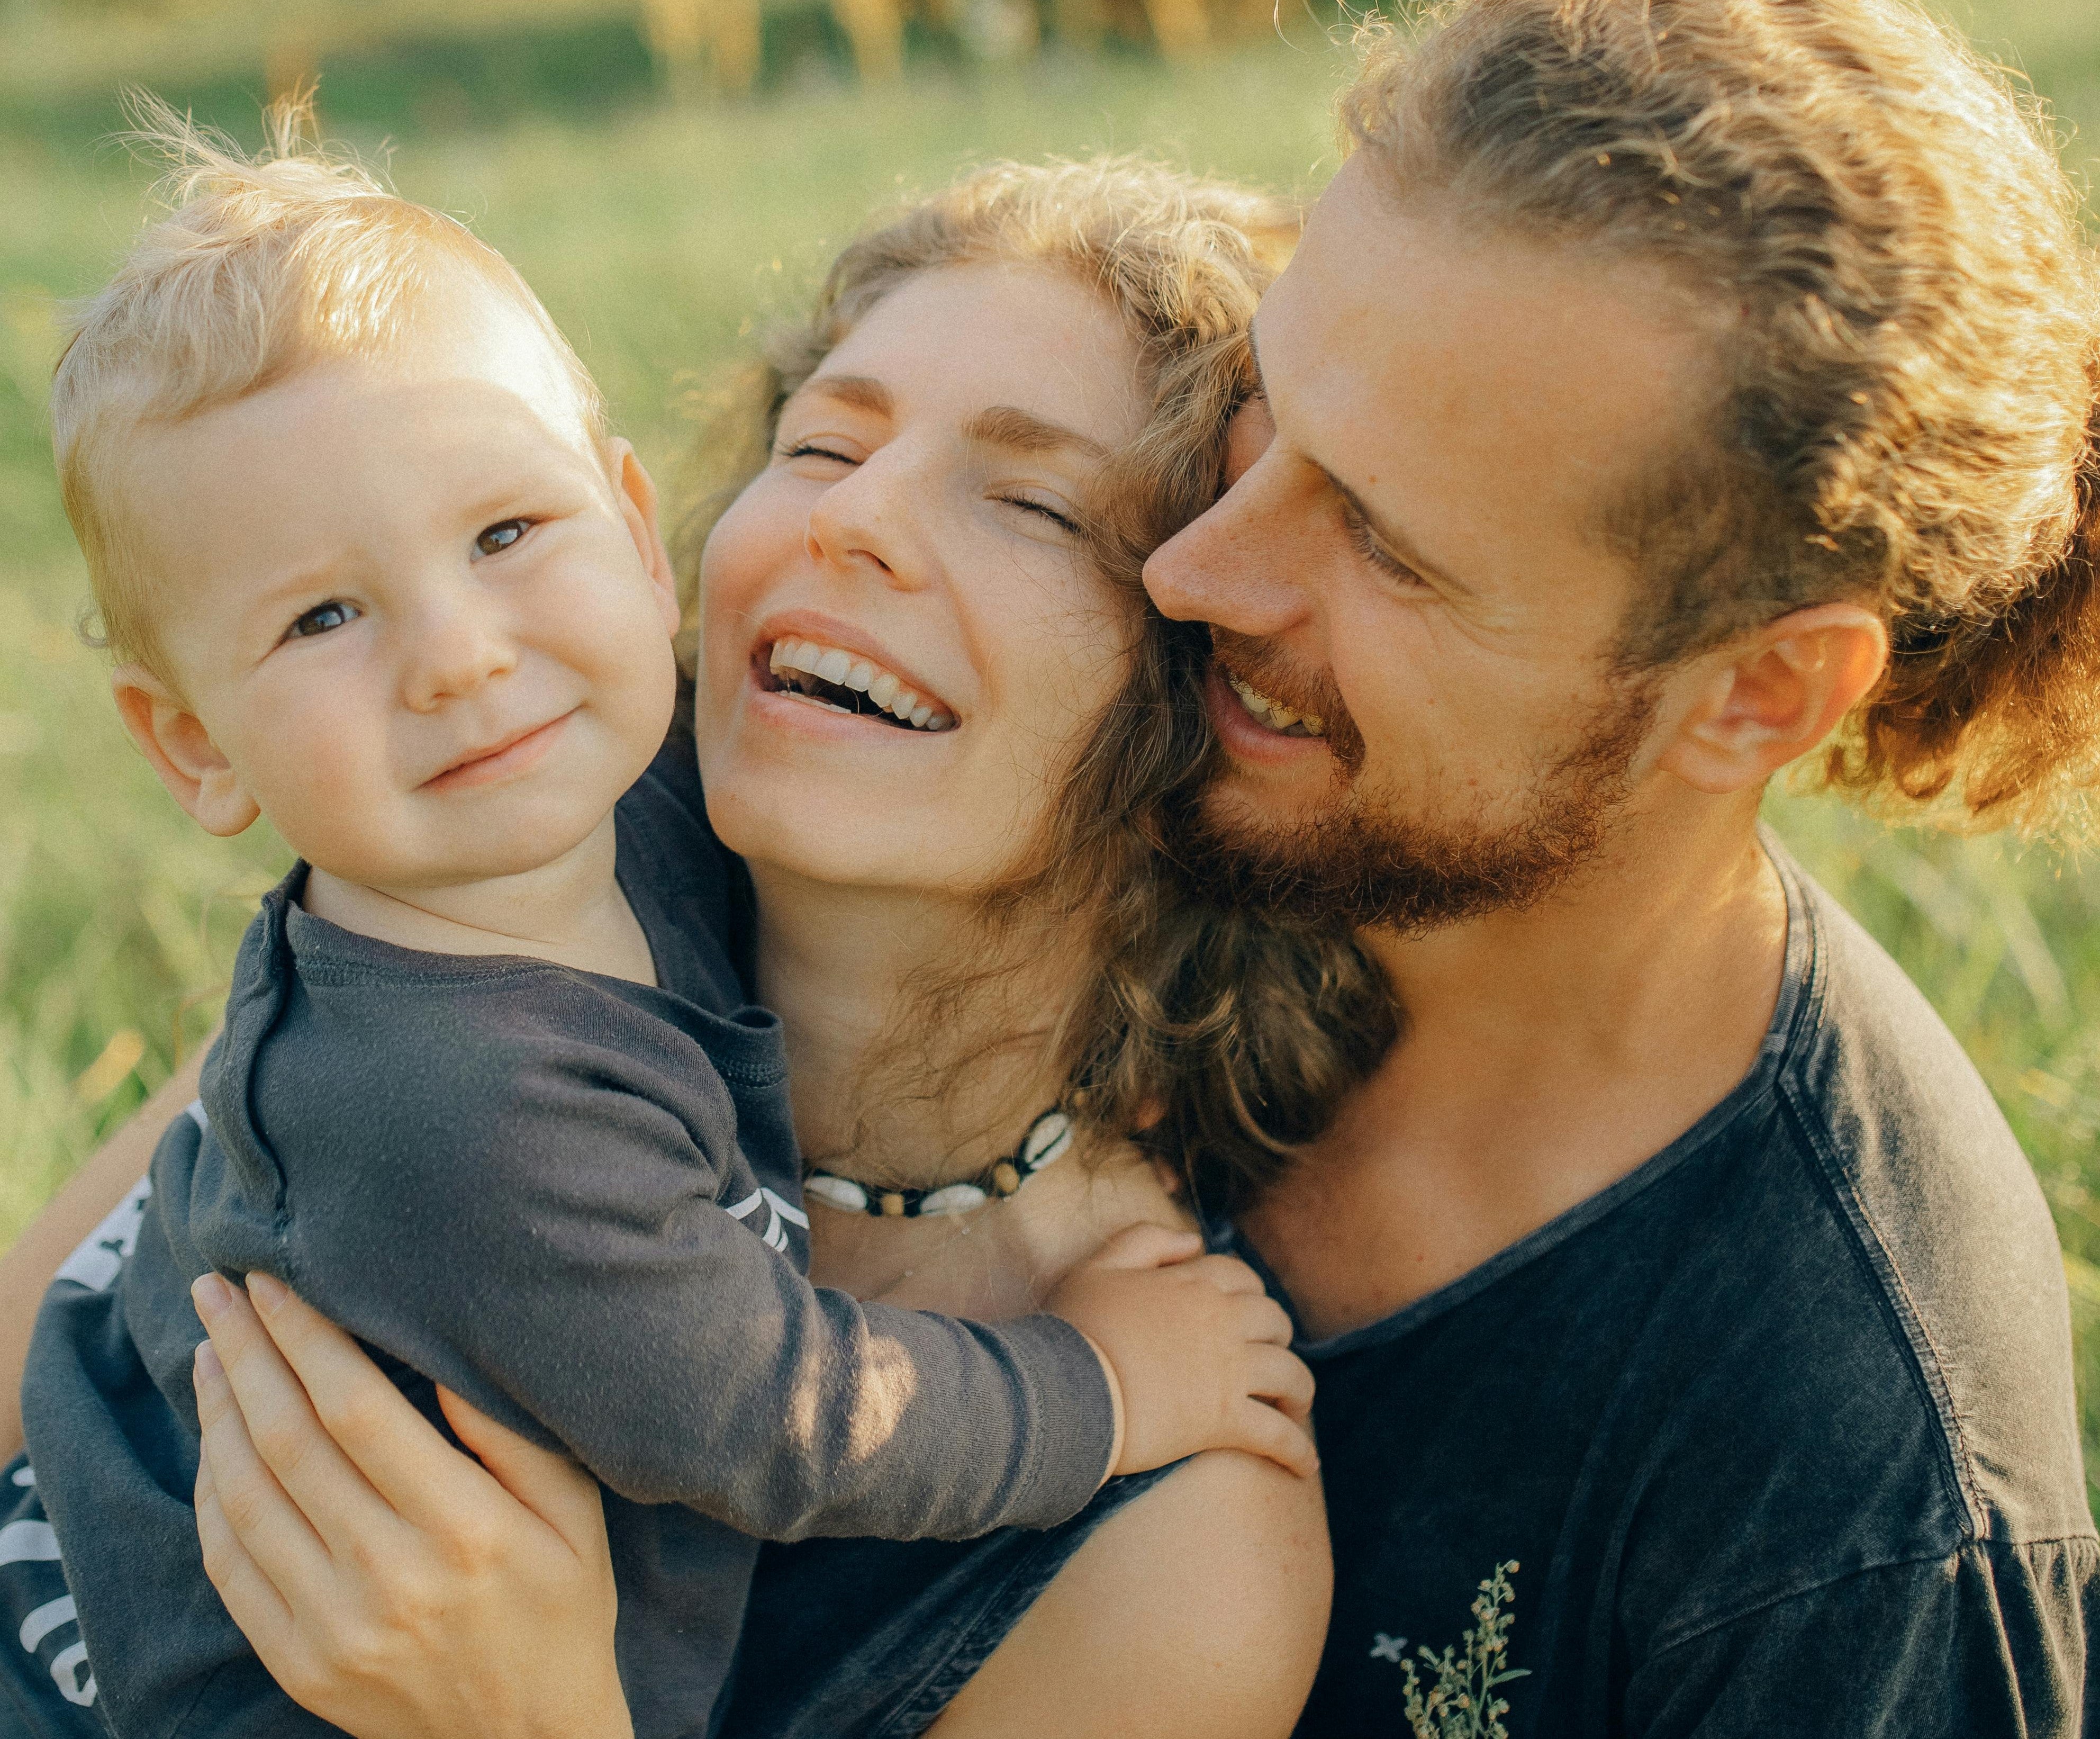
[[862, 392], [1018, 431]]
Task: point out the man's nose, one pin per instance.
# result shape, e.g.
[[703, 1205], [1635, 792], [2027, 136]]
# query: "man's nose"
[[1232, 565], [461, 640]]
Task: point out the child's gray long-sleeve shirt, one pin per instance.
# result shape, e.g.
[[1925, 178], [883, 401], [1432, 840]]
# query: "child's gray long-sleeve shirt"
[[576, 1201]]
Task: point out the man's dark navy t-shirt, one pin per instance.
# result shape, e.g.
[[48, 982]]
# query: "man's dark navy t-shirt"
[[1779, 1430]]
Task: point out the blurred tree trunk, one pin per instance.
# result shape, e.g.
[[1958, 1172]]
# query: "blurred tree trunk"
[[692, 40], [876, 28]]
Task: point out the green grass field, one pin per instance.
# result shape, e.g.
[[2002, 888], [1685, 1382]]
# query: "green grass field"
[[657, 237]]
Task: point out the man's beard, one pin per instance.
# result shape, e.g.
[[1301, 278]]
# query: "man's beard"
[[1360, 863]]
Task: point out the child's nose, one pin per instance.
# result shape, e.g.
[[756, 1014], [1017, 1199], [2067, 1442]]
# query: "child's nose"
[[460, 644]]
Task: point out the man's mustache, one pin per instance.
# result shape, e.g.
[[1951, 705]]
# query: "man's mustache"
[[1265, 666]]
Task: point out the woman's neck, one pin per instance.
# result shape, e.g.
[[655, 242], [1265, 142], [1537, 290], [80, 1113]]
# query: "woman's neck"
[[884, 1086]]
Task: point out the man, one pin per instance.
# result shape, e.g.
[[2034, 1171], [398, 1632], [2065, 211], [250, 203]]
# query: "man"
[[1658, 390]]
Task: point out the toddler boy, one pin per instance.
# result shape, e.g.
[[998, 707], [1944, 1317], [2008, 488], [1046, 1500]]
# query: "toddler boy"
[[489, 1091]]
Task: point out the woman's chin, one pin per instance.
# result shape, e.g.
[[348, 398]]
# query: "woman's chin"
[[827, 829]]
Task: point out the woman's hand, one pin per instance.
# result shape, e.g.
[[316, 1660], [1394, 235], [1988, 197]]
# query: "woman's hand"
[[391, 1585]]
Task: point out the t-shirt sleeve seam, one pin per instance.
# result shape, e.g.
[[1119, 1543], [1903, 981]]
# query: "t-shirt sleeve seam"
[[1923, 1354], [1707, 1627]]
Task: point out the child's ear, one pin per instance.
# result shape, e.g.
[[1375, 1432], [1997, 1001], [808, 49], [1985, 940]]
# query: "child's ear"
[[178, 748], [1770, 696], [638, 503]]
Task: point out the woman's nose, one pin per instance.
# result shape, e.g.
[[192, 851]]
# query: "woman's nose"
[[1233, 565], [460, 642], [863, 520]]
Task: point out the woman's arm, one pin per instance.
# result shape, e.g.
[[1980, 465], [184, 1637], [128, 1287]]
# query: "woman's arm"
[[394, 1588], [1199, 1612], [399, 1591], [76, 1210]]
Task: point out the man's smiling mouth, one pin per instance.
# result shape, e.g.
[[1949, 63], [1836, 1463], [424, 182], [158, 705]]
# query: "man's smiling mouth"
[[1273, 714], [842, 681]]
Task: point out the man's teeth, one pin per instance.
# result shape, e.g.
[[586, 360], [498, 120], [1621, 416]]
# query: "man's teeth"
[[1277, 716], [845, 670]]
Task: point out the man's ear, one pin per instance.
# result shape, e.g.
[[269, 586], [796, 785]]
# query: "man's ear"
[[178, 748], [1769, 697], [637, 506]]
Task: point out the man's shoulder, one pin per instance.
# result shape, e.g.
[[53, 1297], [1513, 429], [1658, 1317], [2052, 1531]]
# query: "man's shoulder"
[[1941, 1210], [1896, 1104]]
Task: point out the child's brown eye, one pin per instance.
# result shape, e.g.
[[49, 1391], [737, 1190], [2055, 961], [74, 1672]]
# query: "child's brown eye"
[[335, 613], [499, 536]]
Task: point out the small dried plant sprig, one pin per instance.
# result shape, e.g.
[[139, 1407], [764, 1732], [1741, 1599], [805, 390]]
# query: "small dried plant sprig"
[[1462, 1703]]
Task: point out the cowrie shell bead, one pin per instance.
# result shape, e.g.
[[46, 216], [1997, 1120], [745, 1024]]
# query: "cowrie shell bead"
[[956, 1199], [840, 1192]]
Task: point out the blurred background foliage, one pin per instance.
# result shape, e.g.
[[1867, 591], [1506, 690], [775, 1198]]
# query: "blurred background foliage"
[[666, 173]]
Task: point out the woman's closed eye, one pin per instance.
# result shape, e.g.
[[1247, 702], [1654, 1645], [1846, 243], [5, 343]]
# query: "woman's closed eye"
[[323, 619], [1053, 511], [790, 451]]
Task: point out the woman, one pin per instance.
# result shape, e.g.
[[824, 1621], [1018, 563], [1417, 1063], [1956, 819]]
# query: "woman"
[[936, 721]]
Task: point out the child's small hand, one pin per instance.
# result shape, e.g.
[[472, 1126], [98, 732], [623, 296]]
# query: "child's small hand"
[[1201, 1353]]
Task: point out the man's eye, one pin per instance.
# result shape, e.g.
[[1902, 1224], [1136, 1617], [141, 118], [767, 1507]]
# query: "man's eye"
[[335, 613], [1368, 546], [499, 536]]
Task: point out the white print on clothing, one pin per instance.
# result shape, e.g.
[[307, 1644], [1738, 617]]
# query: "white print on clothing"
[[96, 1262], [30, 1541], [775, 1235]]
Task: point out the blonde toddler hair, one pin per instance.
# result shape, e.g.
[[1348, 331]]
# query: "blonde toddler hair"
[[262, 267]]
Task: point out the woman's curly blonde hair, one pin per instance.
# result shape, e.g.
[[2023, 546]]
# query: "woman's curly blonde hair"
[[1218, 1040], [1910, 412]]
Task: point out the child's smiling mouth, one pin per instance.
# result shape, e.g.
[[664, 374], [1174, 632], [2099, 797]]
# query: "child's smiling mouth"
[[507, 759]]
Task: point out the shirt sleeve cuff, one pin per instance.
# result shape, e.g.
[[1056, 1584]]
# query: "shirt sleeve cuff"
[[1074, 1429]]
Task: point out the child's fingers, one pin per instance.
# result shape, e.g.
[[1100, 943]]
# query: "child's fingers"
[[352, 1407], [1261, 1430], [1227, 1273], [1146, 1245], [1282, 1380], [1261, 1318], [552, 1487]]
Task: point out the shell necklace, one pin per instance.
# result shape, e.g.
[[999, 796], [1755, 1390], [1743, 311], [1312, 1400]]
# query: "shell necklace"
[[1047, 1139]]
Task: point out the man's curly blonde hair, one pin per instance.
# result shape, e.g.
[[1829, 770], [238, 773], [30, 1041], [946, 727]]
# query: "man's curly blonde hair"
[[1910, 414]]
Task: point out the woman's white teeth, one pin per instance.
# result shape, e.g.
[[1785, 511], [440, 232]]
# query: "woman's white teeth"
[[1274, 714], [845, 670]]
